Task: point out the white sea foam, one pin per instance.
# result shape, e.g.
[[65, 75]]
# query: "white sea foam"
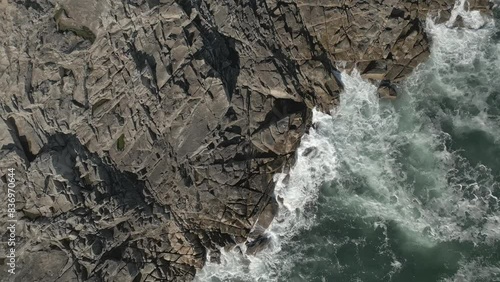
[[475, 271], [383, 146], [471, 19]]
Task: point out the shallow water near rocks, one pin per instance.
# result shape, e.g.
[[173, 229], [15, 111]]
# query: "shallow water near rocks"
[[404, 190]]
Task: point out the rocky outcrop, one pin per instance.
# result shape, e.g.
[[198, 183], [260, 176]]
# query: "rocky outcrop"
[[146, 133]]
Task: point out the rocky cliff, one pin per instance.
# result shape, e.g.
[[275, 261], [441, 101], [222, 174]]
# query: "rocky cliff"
[[145, 133]]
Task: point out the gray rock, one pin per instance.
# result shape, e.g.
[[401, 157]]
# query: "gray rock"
[[146, 133], [387, 92], [257, 245]]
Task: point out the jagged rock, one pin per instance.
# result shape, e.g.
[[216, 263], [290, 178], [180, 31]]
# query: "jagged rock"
[[145, 134], [386, 91], [459, 21], [257, 245]]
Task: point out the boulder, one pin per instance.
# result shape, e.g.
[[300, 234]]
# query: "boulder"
[[387, 92]]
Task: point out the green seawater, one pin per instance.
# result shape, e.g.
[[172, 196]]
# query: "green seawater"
[[404, 190], [417, 186]]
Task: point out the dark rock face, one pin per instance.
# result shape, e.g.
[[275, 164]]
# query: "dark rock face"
[[386, 91], [145, 133]]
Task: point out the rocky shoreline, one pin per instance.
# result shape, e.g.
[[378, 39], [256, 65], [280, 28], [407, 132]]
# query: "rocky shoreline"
[[146, 133]]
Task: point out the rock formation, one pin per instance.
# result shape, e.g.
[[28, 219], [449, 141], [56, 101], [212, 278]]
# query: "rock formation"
[[145, 133]]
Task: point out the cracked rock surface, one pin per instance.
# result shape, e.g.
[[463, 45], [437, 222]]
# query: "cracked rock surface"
[[145, 133]]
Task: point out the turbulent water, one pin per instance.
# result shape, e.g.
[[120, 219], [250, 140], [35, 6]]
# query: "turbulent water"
[[404, 190]]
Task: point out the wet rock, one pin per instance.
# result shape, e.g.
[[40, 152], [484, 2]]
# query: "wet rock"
[[309, 151], [257, 245], [387, 92], [459, 22]]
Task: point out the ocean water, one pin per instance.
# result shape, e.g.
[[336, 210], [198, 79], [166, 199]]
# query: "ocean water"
[[404, 190]]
